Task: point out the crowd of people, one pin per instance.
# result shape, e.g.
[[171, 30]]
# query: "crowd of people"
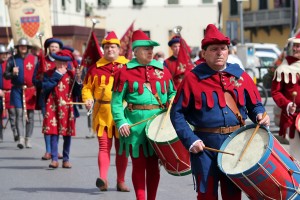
[[215, 97]]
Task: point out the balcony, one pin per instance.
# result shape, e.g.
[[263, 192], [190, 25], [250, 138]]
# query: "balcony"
[[267, 18]]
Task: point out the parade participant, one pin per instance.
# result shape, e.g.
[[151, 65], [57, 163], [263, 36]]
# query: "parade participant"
[[146, 86], [20, 69], [285, 92], [46, 63], [97, 89], [6, 89], [59, 115], [215, 98], [159, 56], [177, 69], [3, 55]]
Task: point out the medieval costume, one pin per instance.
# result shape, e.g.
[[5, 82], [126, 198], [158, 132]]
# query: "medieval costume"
[[284, 85], [98, 88], [201, 102], [23, 92], [59, 118], [138, 85]]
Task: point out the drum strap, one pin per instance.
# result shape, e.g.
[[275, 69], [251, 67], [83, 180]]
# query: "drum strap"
[[155, 95], [233, 107]]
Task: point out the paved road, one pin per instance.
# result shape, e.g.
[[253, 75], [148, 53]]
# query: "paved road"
[[25, 176]]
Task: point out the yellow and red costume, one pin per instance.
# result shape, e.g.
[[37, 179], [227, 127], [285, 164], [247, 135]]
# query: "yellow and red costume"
[[97, 87]]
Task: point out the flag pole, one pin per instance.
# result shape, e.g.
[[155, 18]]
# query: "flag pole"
[[94, 21]]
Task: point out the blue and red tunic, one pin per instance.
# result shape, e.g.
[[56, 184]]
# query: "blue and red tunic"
[[200, 102], [26, 69]]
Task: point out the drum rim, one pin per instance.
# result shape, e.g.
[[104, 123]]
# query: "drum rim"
[[147, 128], [254, 167]]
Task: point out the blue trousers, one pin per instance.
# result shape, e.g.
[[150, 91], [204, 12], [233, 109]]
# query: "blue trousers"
[[66, 147]]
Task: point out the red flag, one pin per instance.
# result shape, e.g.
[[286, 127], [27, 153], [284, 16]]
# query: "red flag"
[[126, 47], [184, 60], [92, 52]]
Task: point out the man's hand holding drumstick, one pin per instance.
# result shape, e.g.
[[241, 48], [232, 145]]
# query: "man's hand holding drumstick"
[[292, 107]]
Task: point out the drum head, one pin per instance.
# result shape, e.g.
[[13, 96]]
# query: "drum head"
[[159, 132], [297, 122], [236, 143]]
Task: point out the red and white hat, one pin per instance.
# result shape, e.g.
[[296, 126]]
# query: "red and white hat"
[[140, 39], [214, 36], [111, 38], [295, 39]]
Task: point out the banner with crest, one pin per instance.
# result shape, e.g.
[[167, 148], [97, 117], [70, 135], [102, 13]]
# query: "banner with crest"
[[27, 18]]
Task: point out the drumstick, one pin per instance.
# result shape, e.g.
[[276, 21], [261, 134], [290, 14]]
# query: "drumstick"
[[217, 150], [251, 138], [294, 97], [63, 102], [144, 120], [167, 114]]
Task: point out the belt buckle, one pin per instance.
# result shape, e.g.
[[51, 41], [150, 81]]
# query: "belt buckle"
[[222, 129]]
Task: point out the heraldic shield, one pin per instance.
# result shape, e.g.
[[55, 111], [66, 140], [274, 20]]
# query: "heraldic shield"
[[30, 25]]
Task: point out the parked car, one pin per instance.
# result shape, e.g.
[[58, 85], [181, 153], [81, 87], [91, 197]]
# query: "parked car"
[[265, 47]]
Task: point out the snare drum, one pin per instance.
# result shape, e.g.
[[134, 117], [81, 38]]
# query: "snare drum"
[[266, 170], [167, 146]]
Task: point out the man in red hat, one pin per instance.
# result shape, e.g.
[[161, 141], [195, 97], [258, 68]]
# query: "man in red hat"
[[46, 63], [59, 116], [210, 98], [285, 92], [97, 89], [146, 86]]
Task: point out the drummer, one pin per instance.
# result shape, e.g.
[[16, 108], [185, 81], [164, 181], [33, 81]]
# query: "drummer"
[[216, 99], [146, 86]]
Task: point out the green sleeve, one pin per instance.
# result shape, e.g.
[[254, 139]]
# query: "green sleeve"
[[171, 91], [117, 108]]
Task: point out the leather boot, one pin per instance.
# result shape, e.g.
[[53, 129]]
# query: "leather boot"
[[121, 187], [21, 143], [101, 184], [28, 142]]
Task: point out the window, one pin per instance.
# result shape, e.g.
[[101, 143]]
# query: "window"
[[232, 29], [233, 7], [103, 3], [78, 5], [263, 4], [173, 1], [63, 4], [138, 2]]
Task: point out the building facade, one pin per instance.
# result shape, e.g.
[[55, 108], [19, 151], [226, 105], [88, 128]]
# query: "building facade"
[[265, 21], [158, 18]]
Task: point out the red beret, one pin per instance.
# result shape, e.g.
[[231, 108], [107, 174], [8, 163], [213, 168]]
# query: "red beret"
[[214, 36]]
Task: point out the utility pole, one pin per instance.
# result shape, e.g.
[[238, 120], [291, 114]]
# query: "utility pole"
[[240, 2]]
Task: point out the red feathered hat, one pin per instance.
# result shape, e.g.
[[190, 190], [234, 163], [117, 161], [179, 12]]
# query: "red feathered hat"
[[111, 38], [214, 36]]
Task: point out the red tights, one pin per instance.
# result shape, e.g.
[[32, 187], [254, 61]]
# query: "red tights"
[[105, 145], [145, 173], [229, 191]]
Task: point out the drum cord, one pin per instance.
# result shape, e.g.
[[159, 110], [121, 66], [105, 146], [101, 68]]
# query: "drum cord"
[[280, 186], [177, 158]]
